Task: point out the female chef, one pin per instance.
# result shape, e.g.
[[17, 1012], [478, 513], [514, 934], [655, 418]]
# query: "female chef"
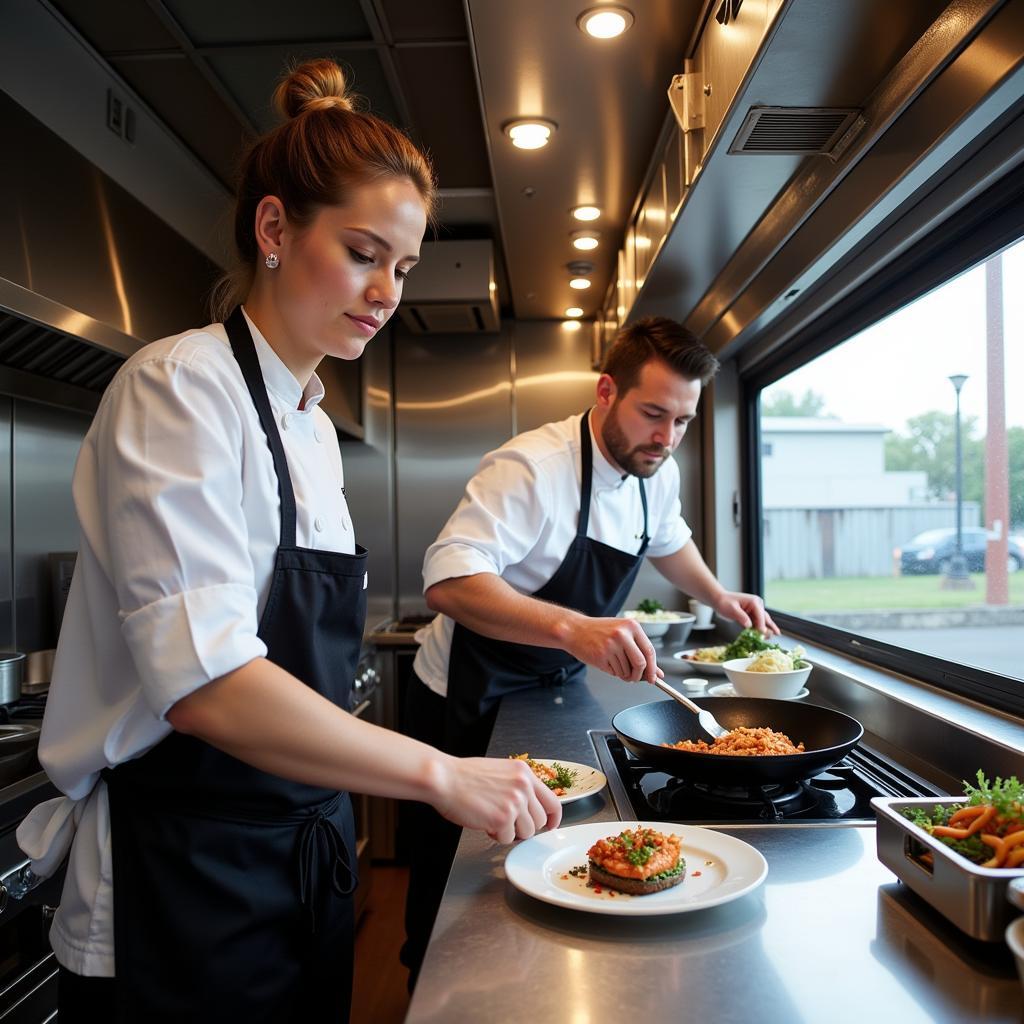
[[196, 718]]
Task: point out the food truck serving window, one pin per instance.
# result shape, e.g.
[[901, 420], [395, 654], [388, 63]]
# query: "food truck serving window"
[[890, 482]]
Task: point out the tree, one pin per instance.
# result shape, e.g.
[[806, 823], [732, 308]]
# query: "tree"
[[784, 403], [930, 445], [1015, 454]]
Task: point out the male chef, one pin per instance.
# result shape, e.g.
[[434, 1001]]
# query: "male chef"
[[531, 571]]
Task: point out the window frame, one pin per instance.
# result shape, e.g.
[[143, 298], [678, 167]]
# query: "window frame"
[[990, 223]]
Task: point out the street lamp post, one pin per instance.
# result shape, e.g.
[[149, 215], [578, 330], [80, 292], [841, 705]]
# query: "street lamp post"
[[956, 576]]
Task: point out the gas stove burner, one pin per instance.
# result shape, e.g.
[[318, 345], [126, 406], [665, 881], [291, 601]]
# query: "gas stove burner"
[[764, 803], [26, 709], [776, 792]]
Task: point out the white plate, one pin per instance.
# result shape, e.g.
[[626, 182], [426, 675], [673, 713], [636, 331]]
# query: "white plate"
[[702, 629], [728, 868], [701, 667], [588, 780], [728, 690]]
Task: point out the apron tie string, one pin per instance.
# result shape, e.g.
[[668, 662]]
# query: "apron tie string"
[[322, 845]]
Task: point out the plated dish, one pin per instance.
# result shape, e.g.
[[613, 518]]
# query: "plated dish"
[[555, 773], [719, 868]]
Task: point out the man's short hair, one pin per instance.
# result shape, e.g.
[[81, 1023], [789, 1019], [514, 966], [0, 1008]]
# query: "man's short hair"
[[657, 337]]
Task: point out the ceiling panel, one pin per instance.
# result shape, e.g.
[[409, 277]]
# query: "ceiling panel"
[[176, 90], [231, 22], [116, 25], [446, 113], [250, 77], [414, 20]]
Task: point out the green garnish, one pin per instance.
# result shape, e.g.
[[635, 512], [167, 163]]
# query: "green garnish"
[[564, 778], [747, 643], [670, 873], [641, 855], [1007, 795], [649, 606]]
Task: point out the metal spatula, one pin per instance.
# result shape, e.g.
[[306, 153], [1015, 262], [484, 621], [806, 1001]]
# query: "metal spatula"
[[705, 719]]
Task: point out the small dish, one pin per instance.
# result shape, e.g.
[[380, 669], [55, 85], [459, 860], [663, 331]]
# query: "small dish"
[[588, 780], [1015, 940], [713, 668], [656, 628], [702, 629], [728, 690]]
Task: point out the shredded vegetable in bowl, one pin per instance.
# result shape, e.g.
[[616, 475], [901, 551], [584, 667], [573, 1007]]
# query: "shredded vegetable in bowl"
[[778, 661]]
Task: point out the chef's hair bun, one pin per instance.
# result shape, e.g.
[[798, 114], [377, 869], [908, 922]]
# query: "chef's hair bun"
[[315, 85]]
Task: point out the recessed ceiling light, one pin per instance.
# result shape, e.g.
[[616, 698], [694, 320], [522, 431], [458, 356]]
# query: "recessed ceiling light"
[[585, 240], [530, 133], [574, 311], [605, 22], [586, 212], [571, 325], [580, 283]]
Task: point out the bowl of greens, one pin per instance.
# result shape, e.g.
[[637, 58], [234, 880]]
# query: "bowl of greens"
[[656, 621]]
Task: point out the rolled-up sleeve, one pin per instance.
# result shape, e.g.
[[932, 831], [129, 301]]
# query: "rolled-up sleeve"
[[169, 451], [497, 523]]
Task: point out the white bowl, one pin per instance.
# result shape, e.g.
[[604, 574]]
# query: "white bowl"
[[659, 629], [1015, 940], [780, 685]]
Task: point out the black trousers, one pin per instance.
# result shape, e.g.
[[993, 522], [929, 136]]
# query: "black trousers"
[[83, 1000], [433, 839]]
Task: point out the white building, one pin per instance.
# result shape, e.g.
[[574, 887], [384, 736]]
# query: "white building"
[[822, 463]]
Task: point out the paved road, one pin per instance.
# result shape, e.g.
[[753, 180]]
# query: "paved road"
[[997, 649]]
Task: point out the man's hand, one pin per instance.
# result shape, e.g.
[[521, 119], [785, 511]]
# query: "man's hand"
[[619, 647], [746, 609]]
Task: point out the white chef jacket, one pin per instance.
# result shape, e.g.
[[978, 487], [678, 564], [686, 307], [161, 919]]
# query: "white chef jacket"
[[519, 516], [178, 505]]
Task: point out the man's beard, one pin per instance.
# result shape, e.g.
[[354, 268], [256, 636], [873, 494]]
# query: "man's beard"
[[630, 459]]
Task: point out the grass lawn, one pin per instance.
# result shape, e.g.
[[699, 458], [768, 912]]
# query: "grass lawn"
[[874, 593]]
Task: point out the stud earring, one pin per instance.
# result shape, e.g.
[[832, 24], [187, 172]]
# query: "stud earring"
[[272, 261]]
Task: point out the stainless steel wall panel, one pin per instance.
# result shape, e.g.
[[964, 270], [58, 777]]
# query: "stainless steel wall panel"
[[453, 403], [369, 479], [553, 376], [45, 445]]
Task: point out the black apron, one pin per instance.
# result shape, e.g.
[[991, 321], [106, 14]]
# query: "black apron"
[[594, 579], [232, 886]]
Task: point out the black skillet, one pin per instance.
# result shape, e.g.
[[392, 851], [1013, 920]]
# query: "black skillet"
[[826, 735]]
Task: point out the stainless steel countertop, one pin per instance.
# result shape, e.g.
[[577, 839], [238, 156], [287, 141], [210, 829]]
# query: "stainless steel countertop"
[[831, 935]]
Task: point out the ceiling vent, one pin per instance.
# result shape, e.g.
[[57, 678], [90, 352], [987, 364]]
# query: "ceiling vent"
[[797, 131], [452, 289]]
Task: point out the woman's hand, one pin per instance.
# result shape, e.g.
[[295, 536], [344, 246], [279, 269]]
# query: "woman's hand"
[[499, 796]]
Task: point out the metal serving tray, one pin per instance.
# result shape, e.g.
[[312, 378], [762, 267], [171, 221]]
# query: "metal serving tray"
[[972, 897]]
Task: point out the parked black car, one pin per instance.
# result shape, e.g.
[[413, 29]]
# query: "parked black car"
[[931, 551]]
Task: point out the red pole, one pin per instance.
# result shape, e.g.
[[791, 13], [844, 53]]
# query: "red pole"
[[997, 474]]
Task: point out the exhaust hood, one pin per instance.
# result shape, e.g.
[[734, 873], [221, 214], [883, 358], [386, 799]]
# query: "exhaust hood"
[[452, 289], [87, 273]]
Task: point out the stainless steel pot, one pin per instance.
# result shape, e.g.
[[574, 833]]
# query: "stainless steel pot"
[[12, 671]]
